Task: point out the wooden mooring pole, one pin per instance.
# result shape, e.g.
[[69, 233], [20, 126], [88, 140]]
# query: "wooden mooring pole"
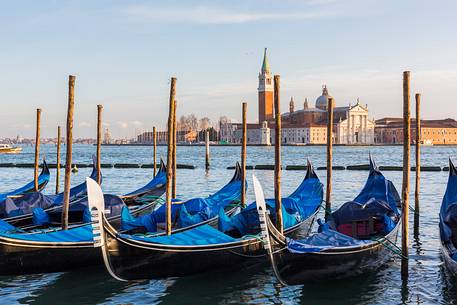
[[68, 155], [175, 166], [154, 149], [328, 194], [278, 136], [406, 173], [168, 195], [207, 149], [37, 149], [243, 155], [99, 143], [418, 165], [58, 160]]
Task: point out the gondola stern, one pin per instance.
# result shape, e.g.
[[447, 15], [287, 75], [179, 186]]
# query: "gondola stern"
[[45, 168], [373, 167], [94, 174], [452, 169], [163, 167], [310, 173], [237, 175]]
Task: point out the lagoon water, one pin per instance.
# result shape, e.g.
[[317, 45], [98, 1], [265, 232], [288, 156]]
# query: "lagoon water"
[[429, 283]]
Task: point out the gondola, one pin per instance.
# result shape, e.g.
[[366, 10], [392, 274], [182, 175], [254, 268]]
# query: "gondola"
[[55, 250], [38, 210], [51, 250], [358, 237], [18, 211], [130, 255], [448, 221], [43, 180], [190, 213], [151, 191]]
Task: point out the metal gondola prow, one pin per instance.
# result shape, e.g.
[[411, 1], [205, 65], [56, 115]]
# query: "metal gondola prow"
[[264, 234], [97, 211]]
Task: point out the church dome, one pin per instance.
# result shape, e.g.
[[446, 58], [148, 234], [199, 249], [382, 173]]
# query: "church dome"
[[322, 101]]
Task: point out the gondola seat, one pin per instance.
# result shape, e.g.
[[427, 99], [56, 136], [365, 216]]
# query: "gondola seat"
[[375, 218]]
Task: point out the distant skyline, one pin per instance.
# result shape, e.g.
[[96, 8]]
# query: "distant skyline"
[[123, 54]]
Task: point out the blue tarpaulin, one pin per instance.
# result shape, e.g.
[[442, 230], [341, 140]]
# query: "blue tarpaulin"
[[201, 235], [25, 204], [195, 210], [302, 203], [79, 234]]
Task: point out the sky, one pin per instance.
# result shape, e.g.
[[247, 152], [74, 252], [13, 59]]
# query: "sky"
[[124, 53]]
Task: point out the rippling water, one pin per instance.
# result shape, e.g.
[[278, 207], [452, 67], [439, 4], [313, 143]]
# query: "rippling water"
[[428, 282]]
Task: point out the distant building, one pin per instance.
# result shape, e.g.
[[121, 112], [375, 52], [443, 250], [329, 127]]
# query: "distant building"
[[107, 137], [390, 131], [227, 131], [182, 136]]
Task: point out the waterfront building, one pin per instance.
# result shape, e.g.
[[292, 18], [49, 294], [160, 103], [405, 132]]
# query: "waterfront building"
[[182, 136], [433, 132]]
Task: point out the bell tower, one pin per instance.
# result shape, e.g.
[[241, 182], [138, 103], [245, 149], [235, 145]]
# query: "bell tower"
[[265, 90]]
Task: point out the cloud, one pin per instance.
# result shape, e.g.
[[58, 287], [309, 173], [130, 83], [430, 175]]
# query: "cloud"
[[123, 125], [213, 15], [84, 124], [136, 123]]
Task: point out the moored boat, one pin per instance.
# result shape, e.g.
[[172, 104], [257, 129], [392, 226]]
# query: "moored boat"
[[8, 149], [50, 249], [129, 255], [448, 221], [357, 238], [43, 179], [37, 210]]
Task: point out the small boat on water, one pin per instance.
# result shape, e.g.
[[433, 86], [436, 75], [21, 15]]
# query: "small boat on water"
[[357, 238], [448, 221], [132, 255], [8, 149], [43, 180]]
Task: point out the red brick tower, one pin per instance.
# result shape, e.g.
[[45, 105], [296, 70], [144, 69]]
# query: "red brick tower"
[[265, 92]]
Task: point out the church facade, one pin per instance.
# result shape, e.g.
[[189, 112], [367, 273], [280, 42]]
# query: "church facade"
[[308, 125]]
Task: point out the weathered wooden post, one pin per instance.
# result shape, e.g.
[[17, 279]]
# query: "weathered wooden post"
[[37, 148], [406, 172], [99, 143], [175, 165], [207, 149], [328, 194], [68, 156], [277, 184], [58, 160], [154, 149], [243, 156], [418, 165], [170, 154]]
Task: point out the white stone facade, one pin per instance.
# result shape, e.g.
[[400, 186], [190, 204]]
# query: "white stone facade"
[[354, 127]]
